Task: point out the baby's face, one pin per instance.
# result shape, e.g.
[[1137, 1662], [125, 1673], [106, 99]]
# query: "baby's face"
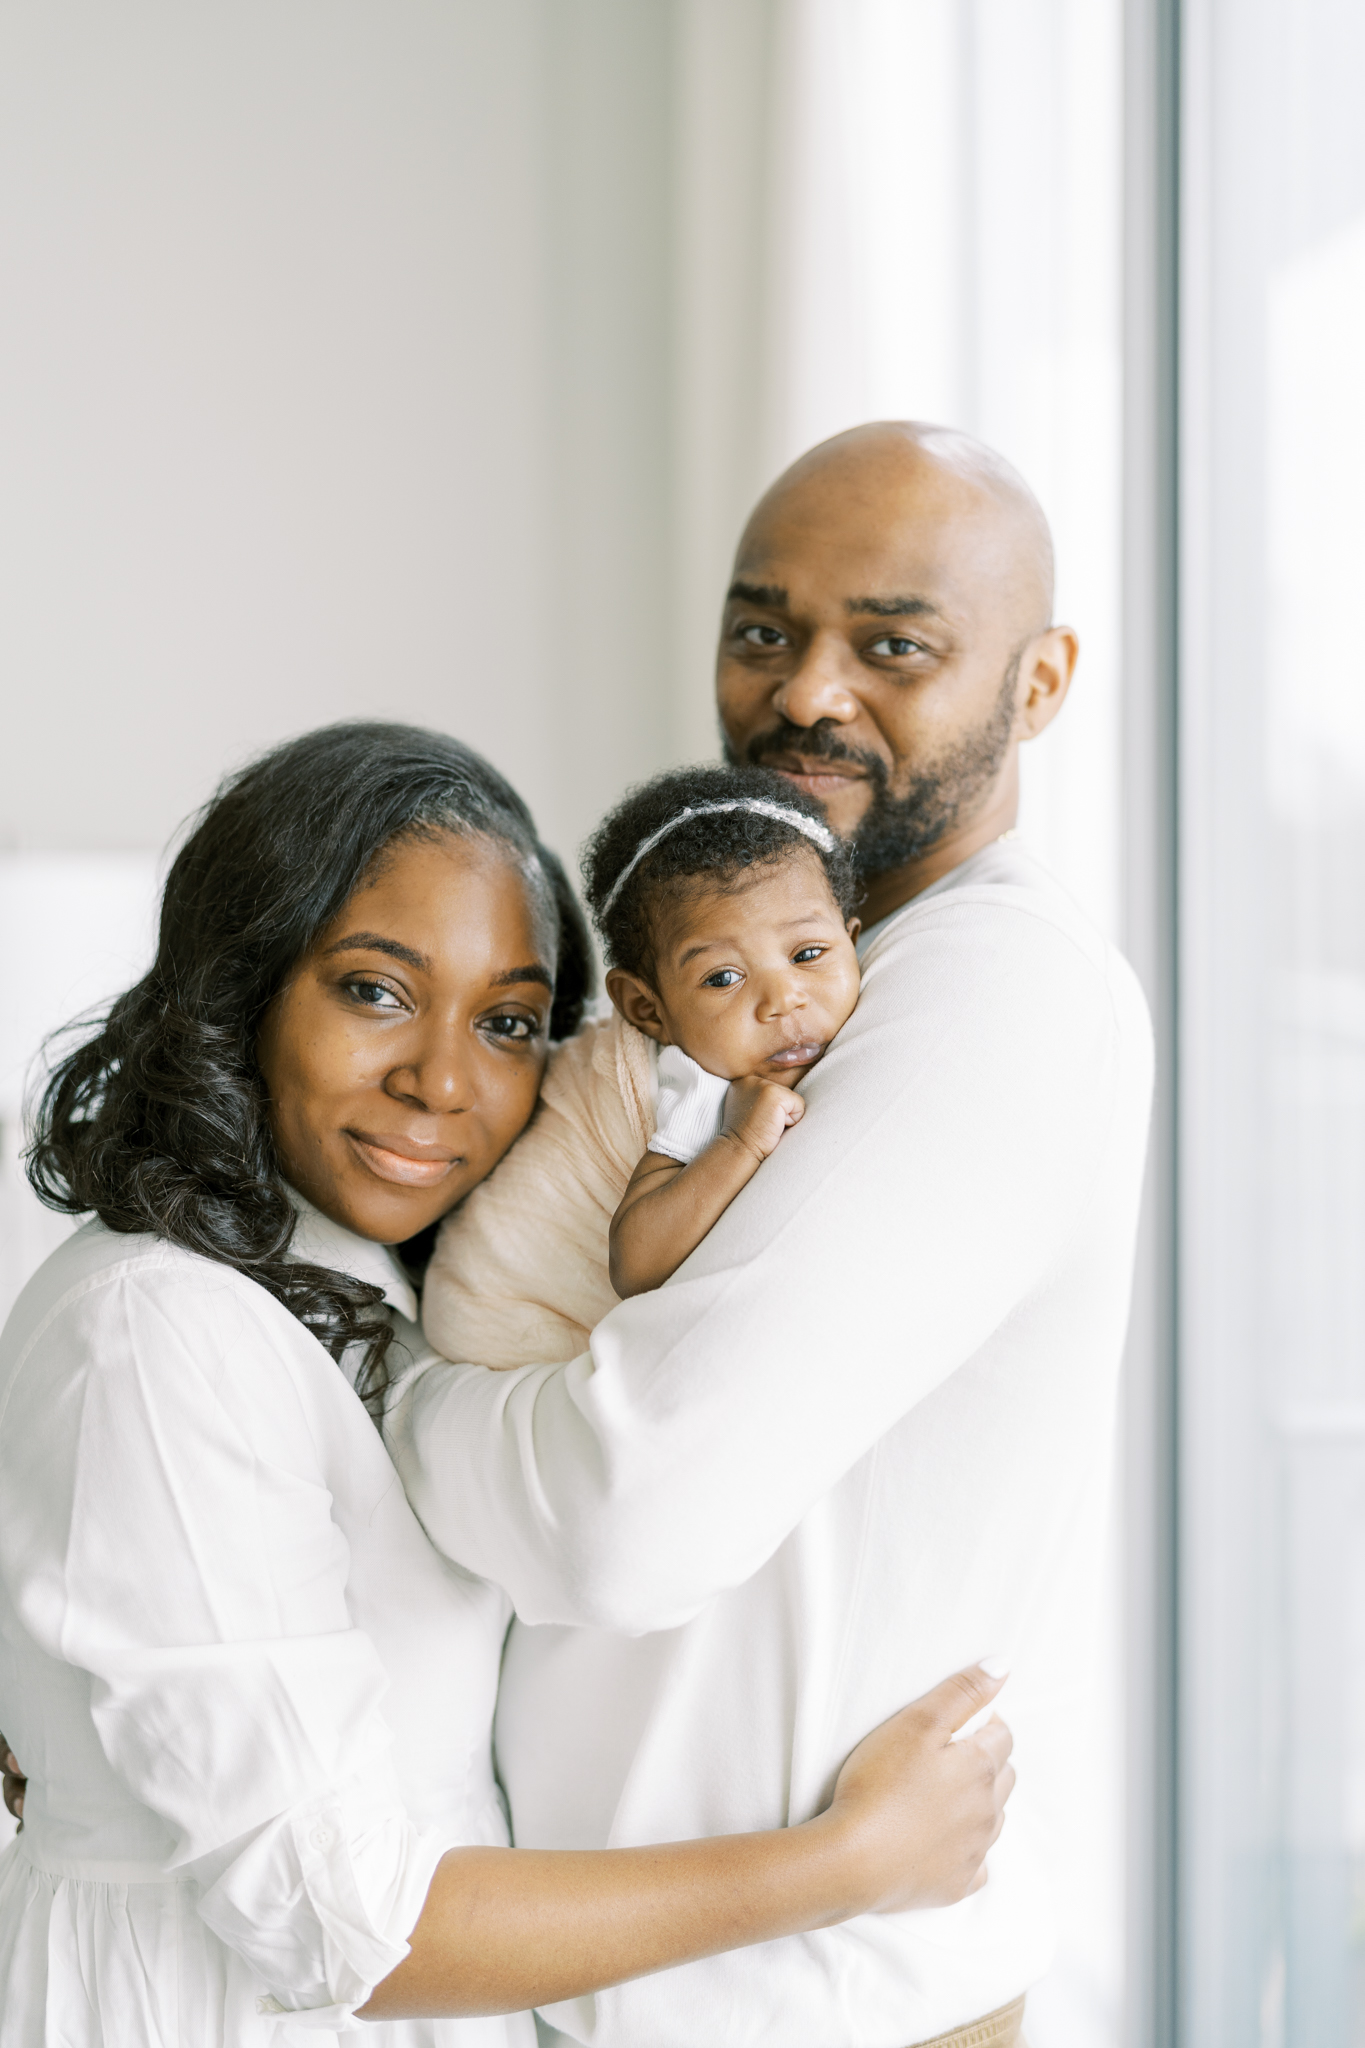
[[756, 980]]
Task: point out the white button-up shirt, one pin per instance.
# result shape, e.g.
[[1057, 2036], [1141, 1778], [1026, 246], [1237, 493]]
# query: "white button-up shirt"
[[860, 1438], [253, 1702]]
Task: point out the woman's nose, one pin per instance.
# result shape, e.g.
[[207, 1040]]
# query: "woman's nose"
[[437, 1078], [819, 686]]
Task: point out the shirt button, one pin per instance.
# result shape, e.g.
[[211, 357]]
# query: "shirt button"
[[321, 1837]]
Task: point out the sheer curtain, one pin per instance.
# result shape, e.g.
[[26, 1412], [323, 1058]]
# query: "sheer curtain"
[[1273, 1025]]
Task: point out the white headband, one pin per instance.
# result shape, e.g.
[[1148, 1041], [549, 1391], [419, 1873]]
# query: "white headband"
[[798, 820]]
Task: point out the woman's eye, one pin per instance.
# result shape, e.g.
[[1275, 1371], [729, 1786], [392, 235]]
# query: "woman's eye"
[[724, 977], [894, 645], [511, 1028], [808, 953], [375, 995], [763, 636]]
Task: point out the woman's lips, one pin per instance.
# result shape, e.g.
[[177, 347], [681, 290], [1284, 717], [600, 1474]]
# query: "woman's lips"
[[403, 1160]]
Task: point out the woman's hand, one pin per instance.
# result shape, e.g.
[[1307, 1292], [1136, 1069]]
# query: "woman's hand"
[[919, 1809], [15, 1782]]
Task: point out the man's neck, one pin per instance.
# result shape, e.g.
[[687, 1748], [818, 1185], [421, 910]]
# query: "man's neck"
[[892, 890]]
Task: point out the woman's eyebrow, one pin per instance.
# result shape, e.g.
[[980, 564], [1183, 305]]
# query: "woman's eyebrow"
[[534, 972], [375, 942]]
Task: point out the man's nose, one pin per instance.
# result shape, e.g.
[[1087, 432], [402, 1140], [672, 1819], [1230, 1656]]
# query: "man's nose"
[[819, 686]]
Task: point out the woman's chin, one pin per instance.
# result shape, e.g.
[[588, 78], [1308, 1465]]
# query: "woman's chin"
[[387, 1212]]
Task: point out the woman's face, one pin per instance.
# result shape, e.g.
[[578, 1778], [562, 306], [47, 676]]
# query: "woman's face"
[[405, 1053]]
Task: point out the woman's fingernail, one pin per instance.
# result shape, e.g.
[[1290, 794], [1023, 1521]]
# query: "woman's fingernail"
[[995, 1667]]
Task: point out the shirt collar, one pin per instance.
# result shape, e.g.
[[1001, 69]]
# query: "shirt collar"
[[321, 1242], [965, 872]]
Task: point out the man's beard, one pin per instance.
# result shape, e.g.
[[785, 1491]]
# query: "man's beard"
[[897, 829]]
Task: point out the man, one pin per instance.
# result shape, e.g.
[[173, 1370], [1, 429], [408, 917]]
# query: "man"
[[861, 1437]]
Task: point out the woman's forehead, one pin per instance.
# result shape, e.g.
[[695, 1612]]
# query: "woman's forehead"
[[456, 896]]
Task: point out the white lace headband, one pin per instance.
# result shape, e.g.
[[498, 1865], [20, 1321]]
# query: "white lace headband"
[[820, 834]]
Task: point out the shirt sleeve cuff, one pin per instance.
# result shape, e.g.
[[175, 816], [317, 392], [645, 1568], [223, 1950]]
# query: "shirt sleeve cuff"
[[320, 1902]]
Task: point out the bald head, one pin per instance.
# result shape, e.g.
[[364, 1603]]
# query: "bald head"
[[888, 643], [909, 473]]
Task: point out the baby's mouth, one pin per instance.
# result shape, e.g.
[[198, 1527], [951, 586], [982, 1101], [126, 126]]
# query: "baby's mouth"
[[803, 1054]]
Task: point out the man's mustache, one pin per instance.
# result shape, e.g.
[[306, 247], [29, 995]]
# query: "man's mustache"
[[819, 742]]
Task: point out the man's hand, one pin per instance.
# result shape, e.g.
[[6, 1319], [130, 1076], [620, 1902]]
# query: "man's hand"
[[758, 1111], [15, 1783]]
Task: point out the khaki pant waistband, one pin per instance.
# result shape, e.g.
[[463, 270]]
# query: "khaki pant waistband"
[[998, 2030]]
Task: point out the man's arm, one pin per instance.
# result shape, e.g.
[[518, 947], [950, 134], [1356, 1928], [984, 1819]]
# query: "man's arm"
[[952, 1136]]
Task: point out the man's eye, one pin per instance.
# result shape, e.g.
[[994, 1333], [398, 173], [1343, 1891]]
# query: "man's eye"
[[724, 977], [763, 636], [895, 645], [808, 953], [510, 1027], [375, 995]]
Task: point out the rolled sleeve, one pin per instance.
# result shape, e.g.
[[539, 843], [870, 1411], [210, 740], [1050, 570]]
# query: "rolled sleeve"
[[322, 1899]]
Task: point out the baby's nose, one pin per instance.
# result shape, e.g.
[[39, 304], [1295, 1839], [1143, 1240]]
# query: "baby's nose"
[[785, 996]]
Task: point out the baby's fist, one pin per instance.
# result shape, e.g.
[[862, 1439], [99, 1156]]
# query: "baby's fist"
[[758, 1111]]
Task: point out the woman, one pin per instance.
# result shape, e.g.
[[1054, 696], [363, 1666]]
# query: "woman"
[[253, 1702]]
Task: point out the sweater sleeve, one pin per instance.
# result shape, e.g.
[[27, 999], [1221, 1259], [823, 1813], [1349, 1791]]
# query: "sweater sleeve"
[[168, 1531], [952, 1135]]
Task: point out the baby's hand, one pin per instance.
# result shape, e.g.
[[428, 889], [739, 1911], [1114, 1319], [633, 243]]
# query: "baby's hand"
[[757, 1112]]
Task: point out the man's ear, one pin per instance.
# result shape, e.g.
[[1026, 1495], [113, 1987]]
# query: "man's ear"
[[1045, 671], [638, 1004]]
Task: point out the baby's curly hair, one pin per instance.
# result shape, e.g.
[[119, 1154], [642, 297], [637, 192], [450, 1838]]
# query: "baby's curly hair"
[[718, 850]]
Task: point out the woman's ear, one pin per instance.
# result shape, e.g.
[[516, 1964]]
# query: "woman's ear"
[[638, 1004]]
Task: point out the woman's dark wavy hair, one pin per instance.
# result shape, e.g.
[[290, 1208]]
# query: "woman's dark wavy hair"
[[158, 1121], [719, 849]]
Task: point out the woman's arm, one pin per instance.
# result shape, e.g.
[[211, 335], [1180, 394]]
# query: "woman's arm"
[[668, 1208], [912, 1817]]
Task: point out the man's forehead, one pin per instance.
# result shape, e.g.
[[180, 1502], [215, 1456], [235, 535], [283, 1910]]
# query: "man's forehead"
[[908, 576]]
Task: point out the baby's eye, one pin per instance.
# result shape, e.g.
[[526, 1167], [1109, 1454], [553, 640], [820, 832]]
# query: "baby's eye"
[[724, 977], [808, 953]]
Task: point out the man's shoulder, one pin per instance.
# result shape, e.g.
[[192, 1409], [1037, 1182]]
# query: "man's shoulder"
[[1003, 911]]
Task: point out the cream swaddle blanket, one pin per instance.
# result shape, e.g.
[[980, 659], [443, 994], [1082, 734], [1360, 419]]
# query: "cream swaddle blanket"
[[519, 1273]]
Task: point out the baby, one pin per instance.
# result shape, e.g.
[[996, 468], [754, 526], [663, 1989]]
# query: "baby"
[[723, 901]]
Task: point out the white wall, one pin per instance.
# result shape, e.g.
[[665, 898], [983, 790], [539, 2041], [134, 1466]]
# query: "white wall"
[[331, 361]]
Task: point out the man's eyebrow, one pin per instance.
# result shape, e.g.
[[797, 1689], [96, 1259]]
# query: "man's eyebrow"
[[893, 607], [375, 942], [770, 594], [533, 971]]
